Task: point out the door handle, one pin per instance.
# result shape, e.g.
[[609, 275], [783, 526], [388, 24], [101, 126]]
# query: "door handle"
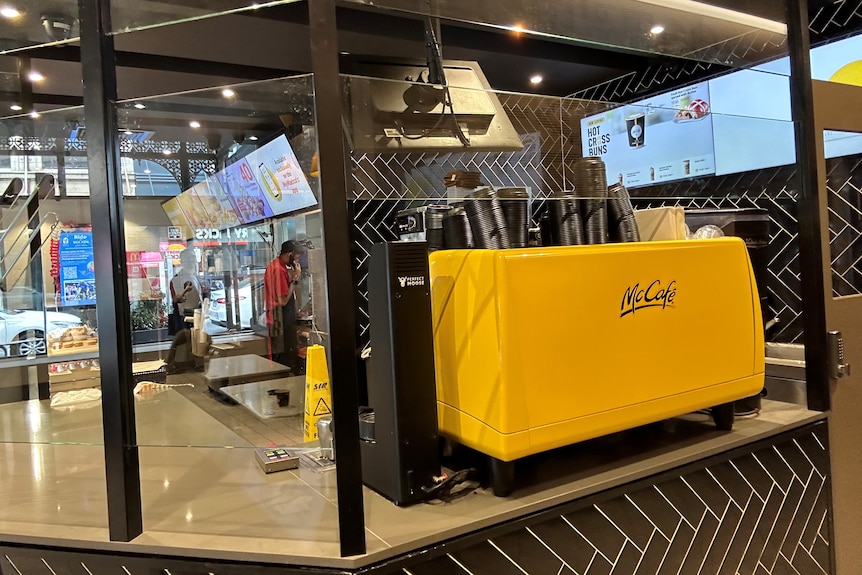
[[838, 368]]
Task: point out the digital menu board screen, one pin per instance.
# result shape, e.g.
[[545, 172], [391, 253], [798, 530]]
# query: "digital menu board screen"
[[665, 138], [267, 182]]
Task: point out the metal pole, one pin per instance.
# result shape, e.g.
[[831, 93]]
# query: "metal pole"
[[339, 274], [122, 465], [25, 84], [808, 207]]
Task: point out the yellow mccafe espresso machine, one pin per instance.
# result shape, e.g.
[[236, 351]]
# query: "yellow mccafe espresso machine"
[[544, 347]]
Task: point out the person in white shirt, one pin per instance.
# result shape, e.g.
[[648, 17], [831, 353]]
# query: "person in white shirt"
[[186, 297]]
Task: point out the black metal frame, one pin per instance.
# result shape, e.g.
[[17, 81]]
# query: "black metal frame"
[[337, 226], [808, 208], [122, 463]]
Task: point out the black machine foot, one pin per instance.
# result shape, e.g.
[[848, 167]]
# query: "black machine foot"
[[502, 477], [723, 416]]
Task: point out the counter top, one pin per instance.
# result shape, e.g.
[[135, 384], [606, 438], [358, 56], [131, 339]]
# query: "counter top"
[[214, 502]]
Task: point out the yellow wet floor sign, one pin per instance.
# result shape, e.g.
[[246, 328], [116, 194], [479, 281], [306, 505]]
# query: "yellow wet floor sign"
[[318, 395]]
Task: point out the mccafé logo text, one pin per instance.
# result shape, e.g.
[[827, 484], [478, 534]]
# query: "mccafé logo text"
[[654, 295]]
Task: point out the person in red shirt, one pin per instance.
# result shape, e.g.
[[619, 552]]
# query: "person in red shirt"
[[280, 282]]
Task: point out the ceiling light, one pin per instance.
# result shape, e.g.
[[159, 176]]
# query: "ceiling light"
[[34, 114], [35, 76], [128, 132], [9, 12], [228, 93], [536, 79], [139, 106], [16, 107], [253, 138], [657, 29], [195, 124]]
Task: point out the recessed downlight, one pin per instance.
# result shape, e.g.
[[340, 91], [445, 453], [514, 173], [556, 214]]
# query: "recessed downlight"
[[536, 79], [656, 30], [35, 76], [194, 124], [16, 107], [9, 12], [228, 93], [253, 138], [139, 106]]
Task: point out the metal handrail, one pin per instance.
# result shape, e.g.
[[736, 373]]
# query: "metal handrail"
[[44, 187], [18, 212], [54, 222]]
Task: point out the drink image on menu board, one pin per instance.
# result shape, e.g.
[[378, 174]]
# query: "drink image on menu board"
[[280, 175], [636, 129], [269, 181], [680, 145]]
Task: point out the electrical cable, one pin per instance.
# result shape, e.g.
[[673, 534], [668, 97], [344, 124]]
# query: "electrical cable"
[[435, 67], [444, 488]]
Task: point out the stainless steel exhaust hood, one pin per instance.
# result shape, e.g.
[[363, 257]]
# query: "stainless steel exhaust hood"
[[388, 113]]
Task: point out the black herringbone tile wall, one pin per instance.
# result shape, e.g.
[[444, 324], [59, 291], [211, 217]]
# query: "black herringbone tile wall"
[[774, 190], [760, 513]]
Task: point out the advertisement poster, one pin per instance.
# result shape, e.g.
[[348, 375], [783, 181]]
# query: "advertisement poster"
[[277, 170], [665, 138], [246, 196], [77, 270]]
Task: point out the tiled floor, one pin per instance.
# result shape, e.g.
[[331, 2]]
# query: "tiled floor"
[[213, 499]]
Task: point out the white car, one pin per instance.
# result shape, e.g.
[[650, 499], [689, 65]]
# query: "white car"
[[22, 332], [218, 306]]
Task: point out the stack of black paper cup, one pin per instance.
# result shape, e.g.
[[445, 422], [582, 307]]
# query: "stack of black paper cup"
[[621, 216], [591, 188], [434, 226], [515, 203], [487, 220], [456, 229], [565, 220]]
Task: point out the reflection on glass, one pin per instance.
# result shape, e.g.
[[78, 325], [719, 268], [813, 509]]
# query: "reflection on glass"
[[202, 227], [50, 389], [694, 30], [130, 15], [37, 23]]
